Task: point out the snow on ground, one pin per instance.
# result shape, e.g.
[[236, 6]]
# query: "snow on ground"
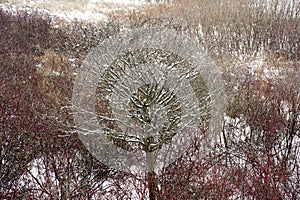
[[41, 177], [123, 2], [85, 10]]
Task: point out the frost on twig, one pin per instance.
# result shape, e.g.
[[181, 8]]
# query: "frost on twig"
[[147, 91], [144, 100]]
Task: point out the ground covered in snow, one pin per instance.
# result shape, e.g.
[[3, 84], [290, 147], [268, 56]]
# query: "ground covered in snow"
[[87, 10]]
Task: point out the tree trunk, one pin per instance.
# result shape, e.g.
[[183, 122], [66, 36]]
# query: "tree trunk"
[[151, 177], [151, 185]]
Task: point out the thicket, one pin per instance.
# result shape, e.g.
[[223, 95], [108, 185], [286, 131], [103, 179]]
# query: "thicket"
[[36, 67], [257, 155]]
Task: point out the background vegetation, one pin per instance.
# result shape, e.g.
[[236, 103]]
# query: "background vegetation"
[[257, 156]]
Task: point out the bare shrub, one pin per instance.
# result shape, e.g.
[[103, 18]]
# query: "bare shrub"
[[36, 67], [257, 156]]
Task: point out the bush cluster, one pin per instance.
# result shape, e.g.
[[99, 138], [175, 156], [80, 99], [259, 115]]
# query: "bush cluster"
[[37, 63], [256, 156]]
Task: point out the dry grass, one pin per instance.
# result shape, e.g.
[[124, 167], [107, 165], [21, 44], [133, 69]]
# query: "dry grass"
[[227, 28]]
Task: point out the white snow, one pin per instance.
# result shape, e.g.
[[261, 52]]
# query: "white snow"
[[84, 16], [92, 10], [239, 125], [122, 2]]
